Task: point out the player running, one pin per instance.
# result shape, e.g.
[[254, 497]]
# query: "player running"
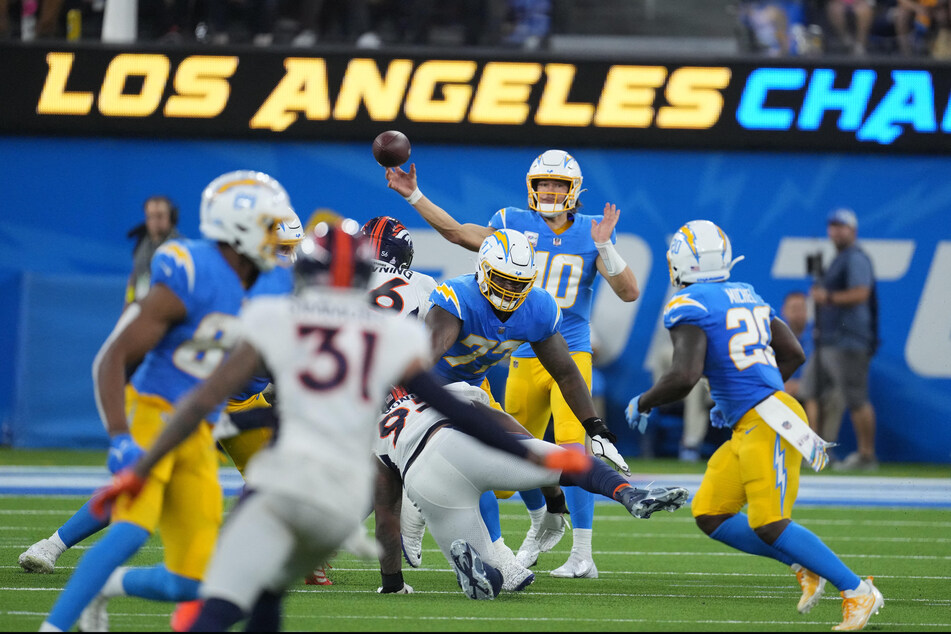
[[572, 248], [726, 331]]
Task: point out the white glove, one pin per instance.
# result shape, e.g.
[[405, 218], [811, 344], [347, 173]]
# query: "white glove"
[[406, 589], [602, 448]]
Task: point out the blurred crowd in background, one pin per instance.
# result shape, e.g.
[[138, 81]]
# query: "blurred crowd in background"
[[775, 28]]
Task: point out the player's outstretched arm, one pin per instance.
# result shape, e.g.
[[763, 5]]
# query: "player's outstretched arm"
[[690, 349], [466, 235], [788, 350], [444, 328], [554, 355], [610, 264], [387, 499]]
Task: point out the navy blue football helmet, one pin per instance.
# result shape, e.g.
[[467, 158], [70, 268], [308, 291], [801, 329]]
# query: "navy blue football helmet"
[[390, 241]]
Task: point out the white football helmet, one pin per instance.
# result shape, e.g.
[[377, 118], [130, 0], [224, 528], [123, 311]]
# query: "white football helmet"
[[506, 269], [700, 252], [290, 233], [554, 165], [244, 209]]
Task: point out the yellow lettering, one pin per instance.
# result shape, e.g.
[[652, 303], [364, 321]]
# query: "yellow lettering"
[[54, 99], [450, 78], [362, 83], [201, 86], [114, 102], [553, 108], [628, 96], [302, 89], [694, 97], [504, 89]]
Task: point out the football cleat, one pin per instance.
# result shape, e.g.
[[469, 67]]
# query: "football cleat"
[[858, 608], [412, 529], [641, 503], [470, 572], [812, 588], [515, 577], [95, 618], [319, 577], [578, 566], [406, 589], [527, 555], [40, 557]]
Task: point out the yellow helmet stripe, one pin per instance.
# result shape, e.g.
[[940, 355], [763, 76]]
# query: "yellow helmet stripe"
[[244, 181]]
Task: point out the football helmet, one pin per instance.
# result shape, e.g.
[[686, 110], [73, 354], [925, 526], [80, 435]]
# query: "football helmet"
[[289, 235], [554, 165], [390, 241], [506, 269], [337, 256], [699, 252], [243, 209]]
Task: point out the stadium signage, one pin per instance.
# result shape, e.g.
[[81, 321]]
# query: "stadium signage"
[[266, 94]]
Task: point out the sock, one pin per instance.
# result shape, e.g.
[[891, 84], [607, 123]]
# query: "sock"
[[600, 478], [121, 542], [266, 615], [489, 507], [494, 577], [802, 546], [113, 587], [57, 541], [533, 499], [736, 532], [580, 507], [582, 541], [81, 525], [158, 584], [861, 589], [537, 515], [217, 615]]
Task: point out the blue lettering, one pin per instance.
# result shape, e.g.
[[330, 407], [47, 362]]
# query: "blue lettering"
[[752, 113], [909, 100], [851, 101], [946, 122]]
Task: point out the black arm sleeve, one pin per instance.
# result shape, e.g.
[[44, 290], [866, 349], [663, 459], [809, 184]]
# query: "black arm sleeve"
[[463, 416]]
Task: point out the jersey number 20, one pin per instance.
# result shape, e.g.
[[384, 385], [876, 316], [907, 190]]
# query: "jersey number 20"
[[756, 332]]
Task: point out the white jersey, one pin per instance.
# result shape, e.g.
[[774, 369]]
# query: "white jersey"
[[333, 359], [406, 422], [400, 289]]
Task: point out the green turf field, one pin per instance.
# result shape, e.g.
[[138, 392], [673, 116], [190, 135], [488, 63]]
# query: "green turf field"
[[657, 574]]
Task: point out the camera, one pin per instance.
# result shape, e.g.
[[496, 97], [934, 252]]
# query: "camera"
[[814, 264]]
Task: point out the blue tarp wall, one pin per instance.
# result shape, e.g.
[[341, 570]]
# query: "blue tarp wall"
[[68, 204]]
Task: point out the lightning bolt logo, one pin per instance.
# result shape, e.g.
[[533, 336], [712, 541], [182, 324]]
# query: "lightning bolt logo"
[[779, 465], [683, 299], [449, 294], [181, 257]]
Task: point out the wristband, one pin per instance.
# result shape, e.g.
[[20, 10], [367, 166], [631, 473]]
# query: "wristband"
[[392, 583], [557, 505], [414, 197], [594, 426], [614, 264]]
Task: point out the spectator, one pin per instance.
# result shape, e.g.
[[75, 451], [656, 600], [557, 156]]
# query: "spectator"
[[847, 318], [916, 24], [161, 220], [775, 27], [861, 13], [795, 312], [528, 24]]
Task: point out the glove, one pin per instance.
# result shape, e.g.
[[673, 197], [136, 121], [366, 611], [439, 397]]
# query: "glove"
[[406, 589], [717, 419], [567, 461], [604, 449], [636, 419], [123, 452], [105, 498]]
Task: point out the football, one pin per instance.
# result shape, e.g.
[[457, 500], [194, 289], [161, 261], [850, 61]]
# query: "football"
[[391, 148]]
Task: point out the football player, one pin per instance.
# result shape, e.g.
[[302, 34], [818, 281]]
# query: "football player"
[[334, 358], [393, 284], [179, 332], [572, 248], [480, 319], [726, 331], [445, 472]]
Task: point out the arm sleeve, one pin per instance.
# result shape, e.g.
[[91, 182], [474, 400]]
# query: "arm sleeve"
[[463, 416]]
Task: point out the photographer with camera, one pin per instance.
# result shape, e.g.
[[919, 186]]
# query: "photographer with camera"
[[846, 338]]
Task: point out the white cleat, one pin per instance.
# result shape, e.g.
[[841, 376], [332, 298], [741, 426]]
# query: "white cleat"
[[812, 588], [95, 618], [515, 577], [412, 529], [858, 608], [40, 557], [577, 567], [527, 555]]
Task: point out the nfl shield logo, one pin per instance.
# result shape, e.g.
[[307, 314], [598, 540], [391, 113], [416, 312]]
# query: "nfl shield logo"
[[532, 237], [787, 424], [556, 242]]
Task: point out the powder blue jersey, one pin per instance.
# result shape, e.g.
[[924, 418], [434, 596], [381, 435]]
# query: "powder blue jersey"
[[484, 339], [566, 269], [199, 275], [740, 363]]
